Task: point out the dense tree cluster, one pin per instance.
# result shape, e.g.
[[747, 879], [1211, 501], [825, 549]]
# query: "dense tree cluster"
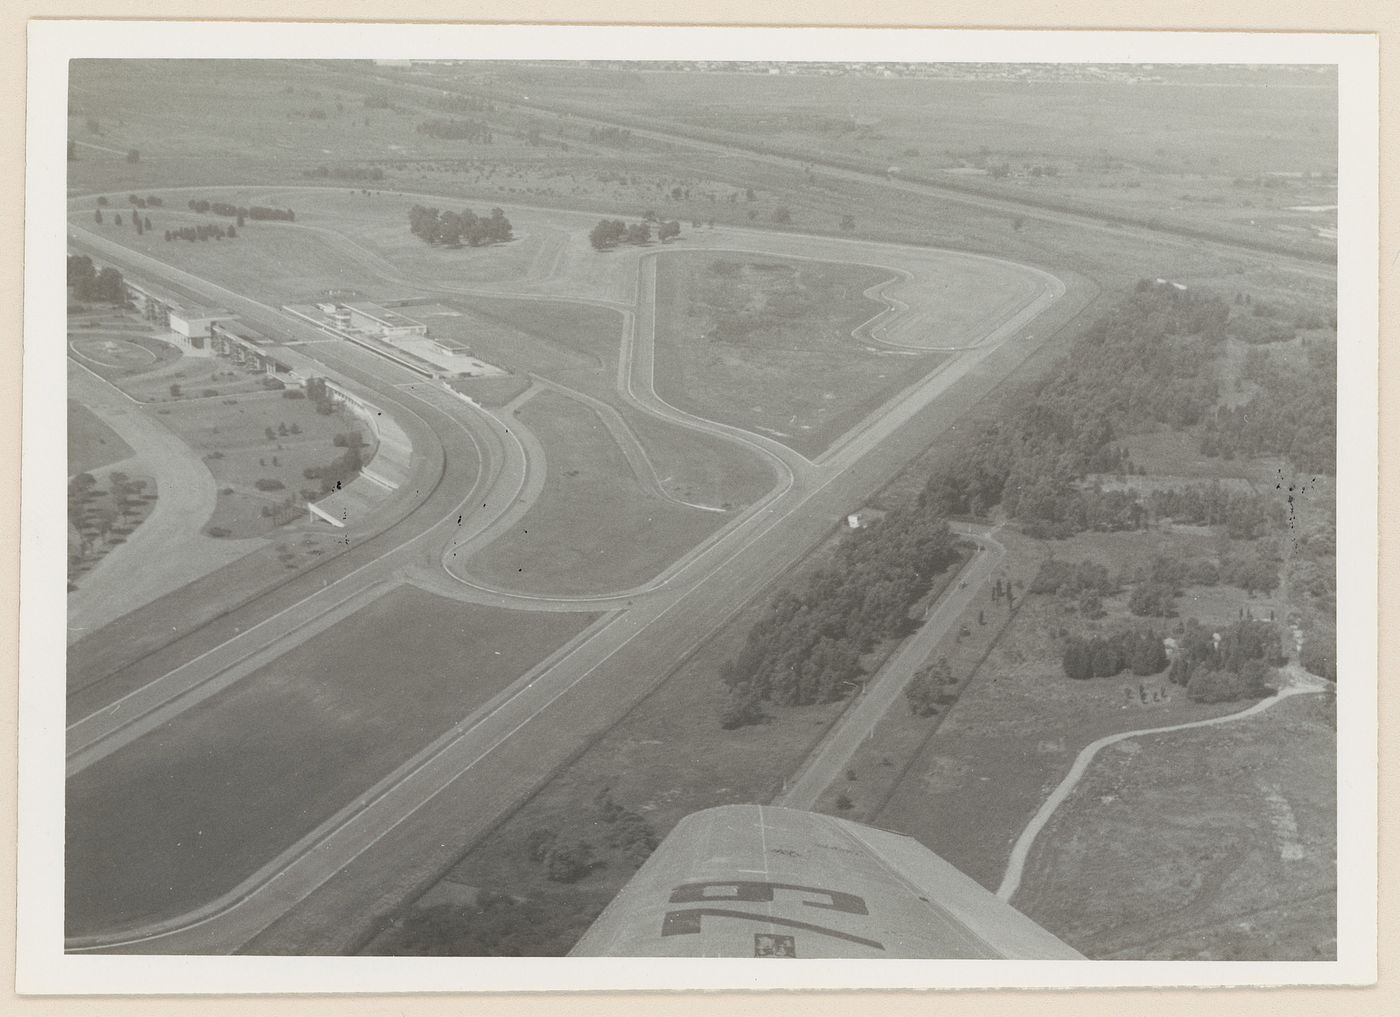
[[453, 229], [1147, 362], [1233, 663], [611, 232], [149, 201], [1294, 414], [458, 130], [106, 286], [805, 648], [1140, 651], [254, 212], [1072, 579], [1244, 514], [928, 689]]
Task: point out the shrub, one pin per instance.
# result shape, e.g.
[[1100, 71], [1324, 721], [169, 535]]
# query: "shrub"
[[270, 484]]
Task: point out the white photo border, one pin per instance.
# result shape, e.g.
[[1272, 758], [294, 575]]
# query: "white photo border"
[[42, 965]]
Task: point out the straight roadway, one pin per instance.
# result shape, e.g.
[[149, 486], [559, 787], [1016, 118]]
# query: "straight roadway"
[[884, 687], [464, 783], [1159, 235]]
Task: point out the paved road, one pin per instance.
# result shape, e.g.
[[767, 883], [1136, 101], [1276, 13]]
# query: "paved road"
[[1298, 683], [720, 577], [186, 492], [1154, 236], [884, 687]]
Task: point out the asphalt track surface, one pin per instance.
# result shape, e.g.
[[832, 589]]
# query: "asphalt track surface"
[[343, 864], [186, 492], [1298, 684]]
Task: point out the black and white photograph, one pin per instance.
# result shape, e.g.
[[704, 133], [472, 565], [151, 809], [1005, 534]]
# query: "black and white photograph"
[[542, 499]]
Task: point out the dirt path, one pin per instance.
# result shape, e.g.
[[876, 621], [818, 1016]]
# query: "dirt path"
[[1296, 683]]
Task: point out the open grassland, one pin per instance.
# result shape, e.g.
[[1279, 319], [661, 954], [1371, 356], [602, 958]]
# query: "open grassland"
[[668, 757], [188, 811], [91, 443], [1213, 149], [1215, 844], [766, 344], [1012, 735], [232, 435], [594, 528], [577, 345], [272, 261], [700, 469], [124, 359]]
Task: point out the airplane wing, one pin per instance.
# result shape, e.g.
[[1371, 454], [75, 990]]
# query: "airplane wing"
[[763, 881]]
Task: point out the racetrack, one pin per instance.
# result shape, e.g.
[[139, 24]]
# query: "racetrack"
[[649, 627]]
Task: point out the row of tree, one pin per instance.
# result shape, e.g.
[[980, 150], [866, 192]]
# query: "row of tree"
[[453, 229], [241, 213], [611, 232], [88, 284], [204, 231], [805, 647], [1140, 651]]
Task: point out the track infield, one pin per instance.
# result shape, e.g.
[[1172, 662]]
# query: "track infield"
[[183, 815]]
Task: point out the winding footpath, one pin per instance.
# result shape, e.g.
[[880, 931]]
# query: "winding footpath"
[[1298, 683]]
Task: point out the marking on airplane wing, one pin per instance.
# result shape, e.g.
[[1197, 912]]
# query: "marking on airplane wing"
[[762, 893], [686, 922]]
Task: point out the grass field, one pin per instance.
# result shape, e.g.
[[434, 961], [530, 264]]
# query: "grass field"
[[987, 762], [578, 345], [1199, 146], [594, 529], [123, 359], [101, 516], [1216, 844], [232, 435], [766, 345], [193, 808], [91, 443]]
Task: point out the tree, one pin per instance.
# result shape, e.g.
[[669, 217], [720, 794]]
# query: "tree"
[[667, 230], [1153, 599], [782, 215], [568, 862], [98, 216], [1078, 662], [607, 234], [848, 223], [117, 218], [148, 222], [921, 694], [132, 155], [1148, 655]]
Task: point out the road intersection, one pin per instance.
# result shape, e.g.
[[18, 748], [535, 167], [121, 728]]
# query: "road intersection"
[[705, 587]]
